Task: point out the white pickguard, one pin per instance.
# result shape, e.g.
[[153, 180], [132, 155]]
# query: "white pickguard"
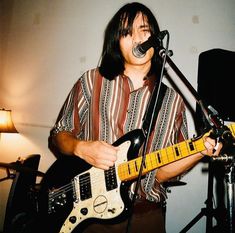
[[103, 204]]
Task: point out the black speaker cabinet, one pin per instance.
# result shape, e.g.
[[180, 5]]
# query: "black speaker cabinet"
[[216, 76]]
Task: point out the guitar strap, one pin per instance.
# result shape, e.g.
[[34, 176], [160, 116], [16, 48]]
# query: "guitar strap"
[[149, 109]]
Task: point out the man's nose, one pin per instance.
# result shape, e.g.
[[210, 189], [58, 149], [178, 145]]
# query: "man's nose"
[[137, 38]]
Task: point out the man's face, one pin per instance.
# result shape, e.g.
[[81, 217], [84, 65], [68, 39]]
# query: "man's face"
[[139, 34]]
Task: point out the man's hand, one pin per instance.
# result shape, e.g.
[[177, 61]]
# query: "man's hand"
[[97, 153], [212, 148]]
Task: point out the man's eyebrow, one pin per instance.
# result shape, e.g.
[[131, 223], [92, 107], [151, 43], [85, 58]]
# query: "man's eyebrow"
[[144, 26]]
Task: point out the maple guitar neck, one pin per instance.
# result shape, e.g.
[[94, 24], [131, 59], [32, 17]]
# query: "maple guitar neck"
[[130, 170]]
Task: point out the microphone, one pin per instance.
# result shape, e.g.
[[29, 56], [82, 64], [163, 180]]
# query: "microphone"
[[153, 41]]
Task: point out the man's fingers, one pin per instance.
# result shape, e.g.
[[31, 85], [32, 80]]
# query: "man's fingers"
[[217, 148]]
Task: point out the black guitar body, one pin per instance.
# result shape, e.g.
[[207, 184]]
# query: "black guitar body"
[[60, 193]]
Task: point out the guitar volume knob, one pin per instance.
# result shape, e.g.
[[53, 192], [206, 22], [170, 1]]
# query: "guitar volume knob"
[[73, 219], [84, 211]]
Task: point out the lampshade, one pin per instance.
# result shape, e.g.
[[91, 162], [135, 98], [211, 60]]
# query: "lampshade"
[[6, 123]]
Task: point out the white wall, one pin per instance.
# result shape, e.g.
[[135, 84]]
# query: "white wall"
[[46, 45]]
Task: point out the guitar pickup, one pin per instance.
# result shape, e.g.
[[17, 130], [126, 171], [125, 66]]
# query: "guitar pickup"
[[85, 186], [110, 179]]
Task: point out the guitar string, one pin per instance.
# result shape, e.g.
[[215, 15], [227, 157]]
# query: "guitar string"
[[69, 187], [83, 181], [126, 169], [86, 180]]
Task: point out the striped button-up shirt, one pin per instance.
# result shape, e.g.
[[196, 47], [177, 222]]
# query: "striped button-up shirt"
[[100, 109]]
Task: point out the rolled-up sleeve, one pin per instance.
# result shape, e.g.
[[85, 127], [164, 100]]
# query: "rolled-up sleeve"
[[68, 119]]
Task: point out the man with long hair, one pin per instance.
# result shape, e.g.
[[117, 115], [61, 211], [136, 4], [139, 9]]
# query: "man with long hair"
[[110, 101]]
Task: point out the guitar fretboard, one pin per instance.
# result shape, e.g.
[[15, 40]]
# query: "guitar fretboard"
[[130, 170]]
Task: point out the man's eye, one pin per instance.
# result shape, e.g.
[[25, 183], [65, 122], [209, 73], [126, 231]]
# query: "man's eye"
[[125, 32], [146, 30]]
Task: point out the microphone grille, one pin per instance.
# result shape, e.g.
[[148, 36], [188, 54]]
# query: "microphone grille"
[[137, 53]]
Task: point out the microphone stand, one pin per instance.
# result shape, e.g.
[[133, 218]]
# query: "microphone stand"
[[230, 180], [229, 161], [218, 128], [196, 96]]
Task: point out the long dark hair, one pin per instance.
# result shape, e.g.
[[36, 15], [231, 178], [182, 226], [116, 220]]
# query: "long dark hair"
[[112, 61]]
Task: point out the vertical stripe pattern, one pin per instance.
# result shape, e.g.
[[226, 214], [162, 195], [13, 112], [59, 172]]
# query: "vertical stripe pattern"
[[100, 109]]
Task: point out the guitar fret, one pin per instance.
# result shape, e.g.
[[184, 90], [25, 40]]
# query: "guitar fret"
[[184, 149], [153, 160], [149, 162], [130, 169], [196, 146], [170, 154], [164, 156], [191, 146], [161, 157], [167, 155], [199, 145], [178, 152], [173, 153]]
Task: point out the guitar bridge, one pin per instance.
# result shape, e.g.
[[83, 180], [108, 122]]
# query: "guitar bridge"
[[56, 198]]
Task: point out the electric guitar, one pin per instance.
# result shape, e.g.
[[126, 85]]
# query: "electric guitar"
[[73, 193]]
